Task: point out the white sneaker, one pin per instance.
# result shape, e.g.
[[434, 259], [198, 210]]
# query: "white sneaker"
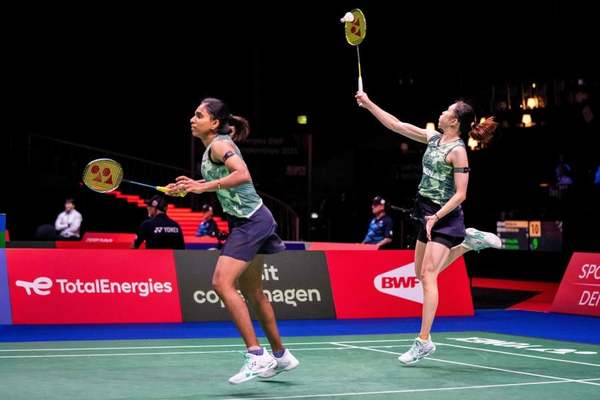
[[479, 240], [420, 349], [284, 363], [253, 366]]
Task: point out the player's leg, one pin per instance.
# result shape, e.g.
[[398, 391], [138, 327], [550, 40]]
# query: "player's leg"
[[252, 289], [257, 360]]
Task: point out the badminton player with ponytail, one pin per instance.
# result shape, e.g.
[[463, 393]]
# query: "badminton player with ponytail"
[[252, 232], [442, 237]]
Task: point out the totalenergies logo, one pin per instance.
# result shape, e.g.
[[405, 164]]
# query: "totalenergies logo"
[[42, 285], [400, 282]]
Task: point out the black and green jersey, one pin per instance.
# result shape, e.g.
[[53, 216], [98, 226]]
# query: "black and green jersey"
[[241, 201], [437, 182]]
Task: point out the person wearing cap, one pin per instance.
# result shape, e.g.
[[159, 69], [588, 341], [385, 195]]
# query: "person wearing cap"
[[159, 231], [381, 227], [208, 226]]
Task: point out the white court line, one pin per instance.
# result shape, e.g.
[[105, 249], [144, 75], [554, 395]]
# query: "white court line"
[[124, 348], [518, 354], [345, 347], [399, 391], [169, 353], [476, 366], [159, 353], [241, 347], [476, 348], [199, 346], [493, 351]]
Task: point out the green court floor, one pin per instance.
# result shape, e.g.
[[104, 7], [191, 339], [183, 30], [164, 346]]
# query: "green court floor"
[[466, 365]]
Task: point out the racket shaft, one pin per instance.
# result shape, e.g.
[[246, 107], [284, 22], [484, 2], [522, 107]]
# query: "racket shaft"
[[139, 184], [159, 188], [360, 82]]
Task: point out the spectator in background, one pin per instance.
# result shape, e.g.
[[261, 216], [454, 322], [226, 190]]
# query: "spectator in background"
[[564, 178], [159, 231], [381, 227], [66, 226], [208, 226]]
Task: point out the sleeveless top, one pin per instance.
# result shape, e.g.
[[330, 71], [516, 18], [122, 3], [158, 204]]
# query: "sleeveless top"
[[241, 201], [437, 182]]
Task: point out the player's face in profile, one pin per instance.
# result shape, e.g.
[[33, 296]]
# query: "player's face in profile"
[[448, 117], [202, 122]]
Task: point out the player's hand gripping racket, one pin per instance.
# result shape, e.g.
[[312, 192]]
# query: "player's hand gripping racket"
[[105, 175], [355, 28]]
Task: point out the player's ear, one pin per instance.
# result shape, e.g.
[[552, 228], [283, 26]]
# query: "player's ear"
[[214, 124]]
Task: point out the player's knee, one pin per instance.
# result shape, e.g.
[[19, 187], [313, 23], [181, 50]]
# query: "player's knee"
[[221, 285], [428, 274], [254, 295]]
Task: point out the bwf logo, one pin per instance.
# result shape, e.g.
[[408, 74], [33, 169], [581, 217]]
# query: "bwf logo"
[[400, 282], [40, 286]]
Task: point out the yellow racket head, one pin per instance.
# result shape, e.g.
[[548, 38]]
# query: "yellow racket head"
[[357, 29], [103, 175]]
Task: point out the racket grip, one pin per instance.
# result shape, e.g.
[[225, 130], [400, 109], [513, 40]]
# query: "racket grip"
[[360, 84], [167, 190]]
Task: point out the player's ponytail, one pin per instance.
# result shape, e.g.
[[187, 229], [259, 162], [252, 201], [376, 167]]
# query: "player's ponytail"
[[483, 131], [469, 126], [229, 124], [240, 129]]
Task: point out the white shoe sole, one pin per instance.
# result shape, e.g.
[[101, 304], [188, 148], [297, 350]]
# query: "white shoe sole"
[[254, 375], [279, 371], [495, 243], [417, 360]]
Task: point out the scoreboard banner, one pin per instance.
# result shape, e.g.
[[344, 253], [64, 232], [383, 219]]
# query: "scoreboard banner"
[[534, 235]]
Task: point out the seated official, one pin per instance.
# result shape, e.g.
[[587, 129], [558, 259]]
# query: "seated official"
[[208, 225], [381, 227]]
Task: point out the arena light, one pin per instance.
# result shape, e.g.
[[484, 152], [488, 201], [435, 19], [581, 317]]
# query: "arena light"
[[472, 143], [527, 121]]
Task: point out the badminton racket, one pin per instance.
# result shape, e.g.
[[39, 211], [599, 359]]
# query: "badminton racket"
[[104, 175], [355, 29]]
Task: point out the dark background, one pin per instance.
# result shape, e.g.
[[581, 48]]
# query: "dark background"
[[127, 78]]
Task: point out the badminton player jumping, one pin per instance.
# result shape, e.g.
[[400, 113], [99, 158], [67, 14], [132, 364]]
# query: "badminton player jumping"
[[442, 237]]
